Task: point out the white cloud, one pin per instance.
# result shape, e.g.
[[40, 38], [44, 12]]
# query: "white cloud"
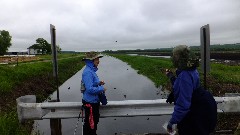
[[97, 24]]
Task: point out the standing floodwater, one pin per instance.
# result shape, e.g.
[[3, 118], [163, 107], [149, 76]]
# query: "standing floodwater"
[[122, 83]]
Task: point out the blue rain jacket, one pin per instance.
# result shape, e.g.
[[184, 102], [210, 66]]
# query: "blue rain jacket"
[[185, 83], [92, 83]]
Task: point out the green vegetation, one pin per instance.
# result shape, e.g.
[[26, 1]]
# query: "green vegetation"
[[151, 67], [213, 48], [225, 73], [60, 56], [225, 79], [225, 47], [9, 125], [5, 41], [42, 46], [12, 77]]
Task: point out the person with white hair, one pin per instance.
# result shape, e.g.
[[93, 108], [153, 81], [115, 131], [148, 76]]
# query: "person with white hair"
[[195, 110]]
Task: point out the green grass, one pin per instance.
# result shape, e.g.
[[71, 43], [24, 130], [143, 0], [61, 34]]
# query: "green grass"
[[225, 73], [12, 76], [59, 56], [150, 67], [9, 125]]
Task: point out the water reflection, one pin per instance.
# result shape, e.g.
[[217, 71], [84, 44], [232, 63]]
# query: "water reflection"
[[122, 83]]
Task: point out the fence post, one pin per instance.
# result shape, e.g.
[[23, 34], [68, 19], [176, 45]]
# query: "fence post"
[[55, 124]]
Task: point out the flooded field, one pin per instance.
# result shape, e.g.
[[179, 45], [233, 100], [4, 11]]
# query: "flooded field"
[[123, 83]]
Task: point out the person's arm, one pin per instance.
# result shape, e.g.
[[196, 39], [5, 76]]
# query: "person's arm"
[[172, 78], [183, 102], [88, 81], [101, 83]]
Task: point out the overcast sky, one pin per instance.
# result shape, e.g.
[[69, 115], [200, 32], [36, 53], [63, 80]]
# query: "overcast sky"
[[84, 25]]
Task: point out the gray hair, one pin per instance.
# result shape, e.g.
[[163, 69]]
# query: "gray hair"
[[181, 51], [183, 58]]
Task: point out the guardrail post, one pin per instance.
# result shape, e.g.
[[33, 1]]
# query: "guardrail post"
[[55, 124]]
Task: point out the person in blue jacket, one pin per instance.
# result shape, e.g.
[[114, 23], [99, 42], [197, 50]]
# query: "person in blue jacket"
[[93, 93], [195, 110]]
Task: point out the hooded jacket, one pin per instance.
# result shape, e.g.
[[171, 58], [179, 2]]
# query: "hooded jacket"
[[92, 83], [186, 82]]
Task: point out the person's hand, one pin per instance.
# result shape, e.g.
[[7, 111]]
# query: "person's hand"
[[170, 98], [170, 127], [102, 83], [169, 73]]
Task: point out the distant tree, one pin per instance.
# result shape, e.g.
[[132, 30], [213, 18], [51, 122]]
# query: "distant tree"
[[36, 46], [5, 41], [44, 45]]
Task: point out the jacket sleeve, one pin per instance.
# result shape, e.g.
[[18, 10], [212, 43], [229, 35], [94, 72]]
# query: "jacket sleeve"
[[89, 85], [184, 92]]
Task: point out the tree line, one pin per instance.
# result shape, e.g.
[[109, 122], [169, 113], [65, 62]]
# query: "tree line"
[[41, 44], [213, 48]]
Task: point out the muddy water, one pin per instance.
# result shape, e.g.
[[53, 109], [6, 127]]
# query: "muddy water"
[[122, 83]]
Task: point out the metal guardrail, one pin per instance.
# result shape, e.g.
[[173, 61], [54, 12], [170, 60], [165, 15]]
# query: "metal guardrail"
[[28, 108]]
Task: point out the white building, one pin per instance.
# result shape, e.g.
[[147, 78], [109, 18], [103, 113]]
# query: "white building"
[[32, 51]]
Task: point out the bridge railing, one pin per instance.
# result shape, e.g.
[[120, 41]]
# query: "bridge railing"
[[28, 108]]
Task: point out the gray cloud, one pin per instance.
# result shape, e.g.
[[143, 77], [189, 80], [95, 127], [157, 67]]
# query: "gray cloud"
[[96, 24]]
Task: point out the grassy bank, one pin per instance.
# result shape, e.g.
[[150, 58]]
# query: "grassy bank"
[[30, 78], [222, 79], [152, 68], [225, 73]]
